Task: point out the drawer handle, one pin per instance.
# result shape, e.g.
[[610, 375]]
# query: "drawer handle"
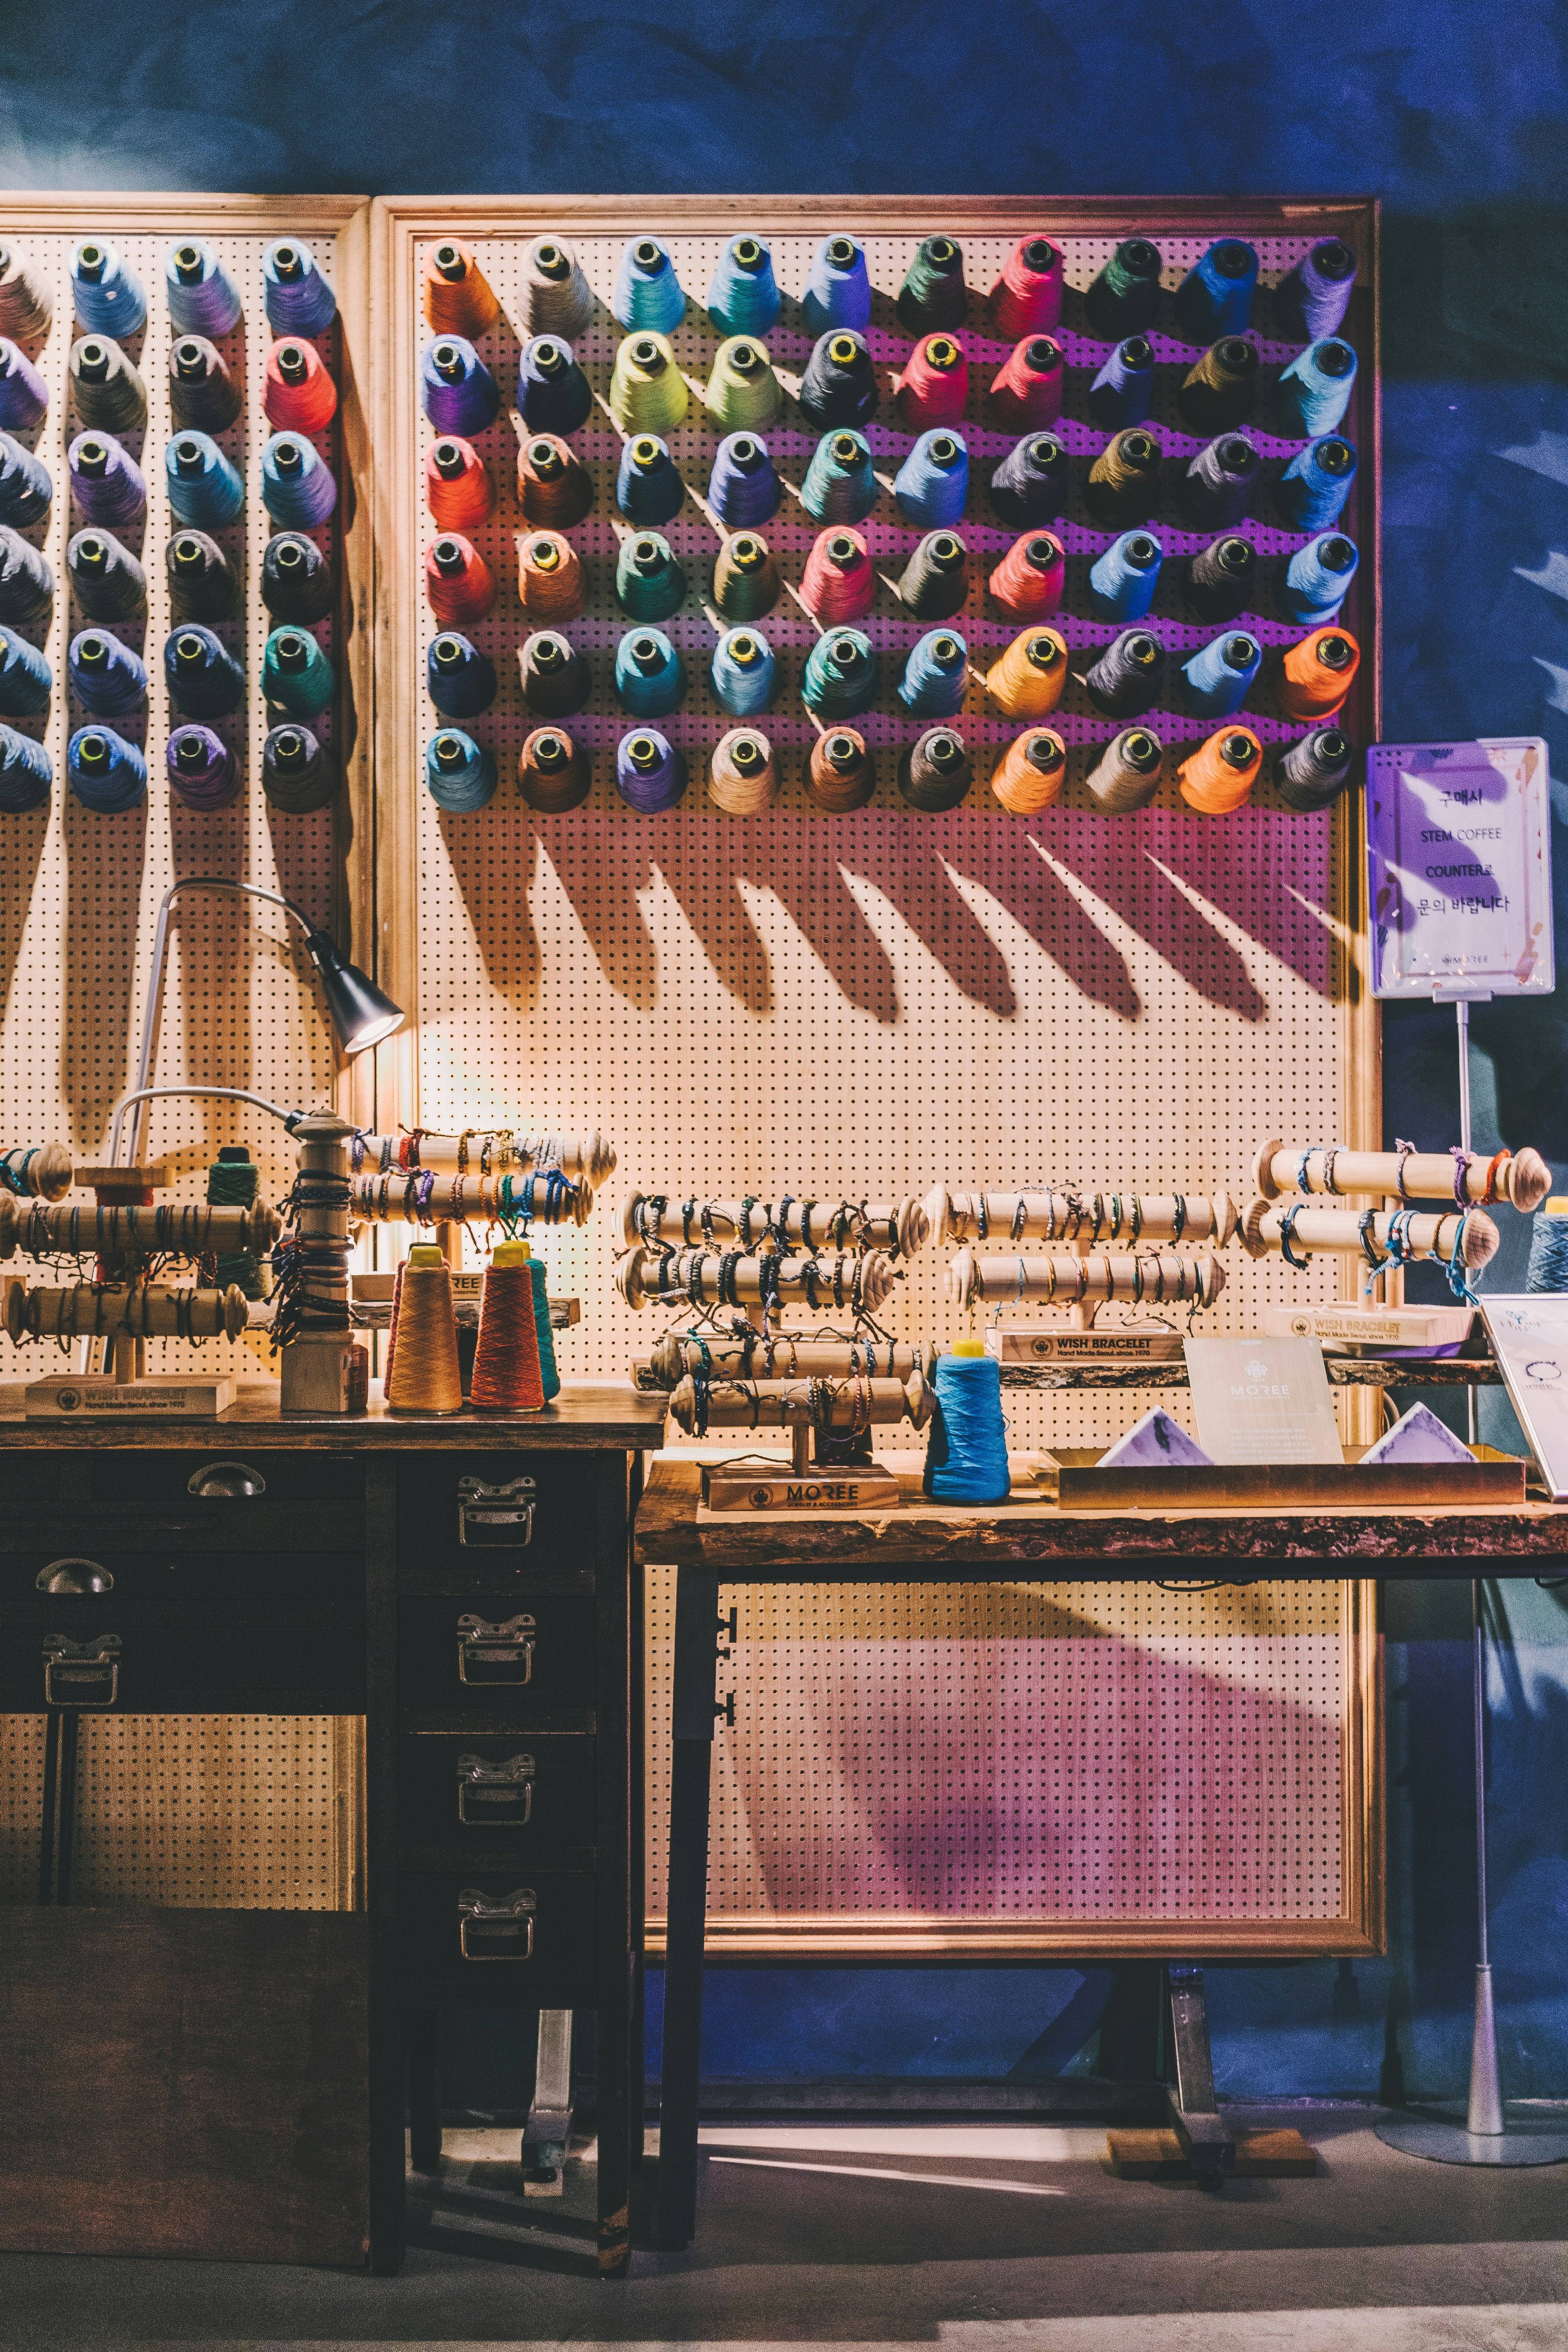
[[81, 1674], [503, 1793], [225, 1482], [497, 1516], [495, 1654], [73, 1576], [503, 1923]]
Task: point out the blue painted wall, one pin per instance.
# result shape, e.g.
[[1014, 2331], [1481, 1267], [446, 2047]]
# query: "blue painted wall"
[[1456, 117]]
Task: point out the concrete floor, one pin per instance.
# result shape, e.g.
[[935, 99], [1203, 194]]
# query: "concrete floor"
[[1379, 2254]]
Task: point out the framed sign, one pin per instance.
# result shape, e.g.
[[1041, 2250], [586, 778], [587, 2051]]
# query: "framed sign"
[[1459, 868], [1529, 1332]]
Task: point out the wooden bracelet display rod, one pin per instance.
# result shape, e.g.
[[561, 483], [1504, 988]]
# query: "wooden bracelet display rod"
[[774, 1356], [39, 1171], [1156, 1277], [843, 1407], [1466, 1239], [478, 1153], [418, 1196], [707, 1278], [1522, 1178], [171, 1229], [656, 1221], [140, 1311], [1082, 1217]]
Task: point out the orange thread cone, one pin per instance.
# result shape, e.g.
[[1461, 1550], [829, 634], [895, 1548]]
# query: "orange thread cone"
[[1031, 775], [457, 487], [1315, 675], [1027, 682], [457, 296], [1218, 777], [507, 1376]]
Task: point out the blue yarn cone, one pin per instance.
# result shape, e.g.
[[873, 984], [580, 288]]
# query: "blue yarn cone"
[[966, 1455], [838, 289], [743, 490], [648, 488], [648, 299], [935, 675], [932, 483]]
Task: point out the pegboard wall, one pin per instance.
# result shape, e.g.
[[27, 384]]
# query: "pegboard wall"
[[854, 1006], [247, 1812], [80, 891], [1022, 1769]]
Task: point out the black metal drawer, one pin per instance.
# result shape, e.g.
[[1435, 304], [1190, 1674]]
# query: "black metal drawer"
[[528, 1937], [116, 1665], [95, 1588], [436, 1531], [473, 1794], [231, 1526], [515, 1658], [157, 1480]]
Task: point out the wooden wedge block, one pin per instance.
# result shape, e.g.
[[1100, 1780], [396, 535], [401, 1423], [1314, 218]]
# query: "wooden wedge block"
[[1260, 2156]]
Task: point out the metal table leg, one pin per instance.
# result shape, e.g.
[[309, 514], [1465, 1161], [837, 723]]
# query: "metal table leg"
[[696, 1618]]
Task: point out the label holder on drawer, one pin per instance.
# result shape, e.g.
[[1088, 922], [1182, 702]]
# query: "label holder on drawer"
[[505, 1920], [492, 1650], [496, 1519], [503, 1791], [81, 1674]]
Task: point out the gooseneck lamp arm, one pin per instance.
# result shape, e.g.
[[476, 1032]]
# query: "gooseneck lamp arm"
[[361, 1013]]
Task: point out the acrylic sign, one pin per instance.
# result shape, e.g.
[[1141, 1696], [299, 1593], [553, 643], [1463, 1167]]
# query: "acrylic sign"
[[1459, 868]]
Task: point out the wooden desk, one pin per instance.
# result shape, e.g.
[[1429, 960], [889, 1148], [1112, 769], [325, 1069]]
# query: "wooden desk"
[[231, 2083], [952, 1543]]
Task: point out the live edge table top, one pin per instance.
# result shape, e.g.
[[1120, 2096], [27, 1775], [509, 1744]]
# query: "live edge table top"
[[993, 1542], [603, 1417]]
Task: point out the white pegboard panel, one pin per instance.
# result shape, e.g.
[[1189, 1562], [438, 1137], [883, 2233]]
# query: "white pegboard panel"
[[1023, 1758], [229, 1812]]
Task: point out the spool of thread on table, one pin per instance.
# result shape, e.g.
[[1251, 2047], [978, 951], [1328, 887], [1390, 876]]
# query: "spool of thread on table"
[[459, 774], [1219, 391], [648, 294], [934, 386], [296, 296], [746, 583], [1310, 775], [27, 773], [1026, 391], [202, 395], [1026, 298], [1218, 777], [202, 771], [935, 675], [458, 298], [1311, 492], [202, 584], [840, 483], [743, 673], [233, 1182], [26, 491], [107, 581], [1220, 486], [205, 679], [424, 1375], [838, 583], [460, 679], [932, 483], [298, 395], [26, 582], [1311, 298], [556, 678], [24, 394], [935, 771], [839, 679], [1217, 678], [297, 485], [648, 391], [1028, 679], [203, 298], [1549, 1246], [108, 678], [967, 1452], [838, 386], [553, 770], [296, 675], [203, 488], [106, 482], [1031, 772], [553, 485], [1214, 297], [841, 775], [559, 298], [1316, 675], [1125, 296], [650, 675], [1124, 479], [549, 584], [1314, 391], [552, 393], [1220, 582], [1315, 581], [106, 387], [457, 487], [296, 581], [107, 773], [933, 293], [743, 488], [1030, 485], [26, 676], [297, 773], [507, 1375], [649, 582], [1029, 580], [837, 291], [650, 774], [743, 777], [1122, 582], [459, 392], [1129, 676], [106, 293], [1122, 393], [1127, 775], [648, 488], [743, 298], [27, 306], [744, 394]]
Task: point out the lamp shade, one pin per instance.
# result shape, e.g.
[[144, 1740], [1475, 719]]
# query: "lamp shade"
[[362, 1014]]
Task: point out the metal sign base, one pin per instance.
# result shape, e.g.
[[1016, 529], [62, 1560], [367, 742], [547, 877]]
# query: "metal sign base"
[[1526, 2138]]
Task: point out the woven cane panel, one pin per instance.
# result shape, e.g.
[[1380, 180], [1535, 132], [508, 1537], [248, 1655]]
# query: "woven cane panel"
[[80, 892], [1021, 1757], [251, 1812], [853, 1006]]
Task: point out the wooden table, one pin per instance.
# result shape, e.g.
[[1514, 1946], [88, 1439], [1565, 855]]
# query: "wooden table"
[[955, 1543], [231, 2083]]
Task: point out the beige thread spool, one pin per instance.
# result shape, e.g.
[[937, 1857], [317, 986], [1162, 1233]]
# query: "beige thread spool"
[[424, 1374], [1520, 1178], [1027, 682], [842, 774], [1031, 772], [1152, 1278], [560, 300], [553, 770], [742, 777], [1127, 775], [550, 584], [1421, 1235]]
